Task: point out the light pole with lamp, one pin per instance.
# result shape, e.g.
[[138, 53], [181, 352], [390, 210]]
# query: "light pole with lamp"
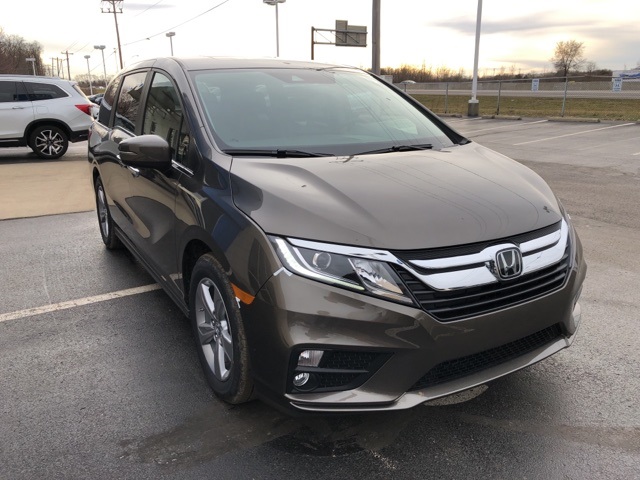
[[171, 35], [32, 61], [104, 65], [276, 2], [89, 74]]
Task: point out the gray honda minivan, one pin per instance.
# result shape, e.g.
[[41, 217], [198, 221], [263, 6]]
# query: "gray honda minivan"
[[336, 246]]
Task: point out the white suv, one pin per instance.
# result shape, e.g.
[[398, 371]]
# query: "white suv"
[[42, 113]]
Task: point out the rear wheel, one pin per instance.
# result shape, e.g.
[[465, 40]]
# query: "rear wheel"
[[49, 142], [219, 332], [104, 218]]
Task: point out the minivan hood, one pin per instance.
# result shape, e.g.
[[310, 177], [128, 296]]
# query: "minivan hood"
[[413, 200]]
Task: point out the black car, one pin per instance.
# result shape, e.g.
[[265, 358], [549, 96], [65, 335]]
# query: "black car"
[[336, 246], [96, 98]]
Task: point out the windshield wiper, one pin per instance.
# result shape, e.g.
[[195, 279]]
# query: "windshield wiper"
[[399, 148], [278, 153]]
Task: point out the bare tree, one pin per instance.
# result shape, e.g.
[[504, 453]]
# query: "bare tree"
[[14, 51], [568, 56]]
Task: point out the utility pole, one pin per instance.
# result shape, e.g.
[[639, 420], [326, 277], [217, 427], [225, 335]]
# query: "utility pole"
[[375, 35], [115, 7], [67, 53], [87, 57]]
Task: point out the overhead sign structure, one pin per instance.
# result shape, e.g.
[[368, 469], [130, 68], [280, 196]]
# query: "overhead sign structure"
[[345, 35], [350, 35]]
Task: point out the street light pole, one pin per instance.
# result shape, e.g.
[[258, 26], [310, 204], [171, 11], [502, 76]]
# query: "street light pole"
[[171, 35], [375, 44], [276, 2], [104, 65], [474, 104], [89, 75]]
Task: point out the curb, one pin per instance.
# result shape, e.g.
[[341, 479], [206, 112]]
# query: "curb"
[[574, 119], [502, 117]]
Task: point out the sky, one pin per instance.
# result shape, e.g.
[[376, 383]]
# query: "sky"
[[516, 35]]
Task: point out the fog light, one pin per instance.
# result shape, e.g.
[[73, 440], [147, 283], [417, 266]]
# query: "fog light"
[[300, 379], [310, 358]]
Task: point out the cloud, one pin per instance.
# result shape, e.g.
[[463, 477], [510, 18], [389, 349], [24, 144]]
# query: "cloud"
[[522, 25]]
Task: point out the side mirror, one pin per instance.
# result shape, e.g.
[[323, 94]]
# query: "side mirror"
[[146, 151]]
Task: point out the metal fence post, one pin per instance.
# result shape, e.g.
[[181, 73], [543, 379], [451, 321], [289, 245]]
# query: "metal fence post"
[[446, 99], [564, 98], [499, 90]]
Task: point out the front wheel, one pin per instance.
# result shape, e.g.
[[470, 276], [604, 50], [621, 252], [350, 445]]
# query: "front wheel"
[[219, 332], [49, 142]]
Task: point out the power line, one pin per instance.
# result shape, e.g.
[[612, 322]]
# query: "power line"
[[82, 48], [160, 1], [176, 26]]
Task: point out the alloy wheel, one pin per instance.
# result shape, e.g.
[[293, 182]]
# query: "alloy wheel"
[[49, 142], [214, 332]]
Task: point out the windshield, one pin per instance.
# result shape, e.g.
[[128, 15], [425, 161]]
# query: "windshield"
[[324, 112]]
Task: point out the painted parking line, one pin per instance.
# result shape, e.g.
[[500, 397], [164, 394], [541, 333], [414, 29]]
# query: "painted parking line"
[[634, 154], [575, 133], [30, 312], [507, 126]]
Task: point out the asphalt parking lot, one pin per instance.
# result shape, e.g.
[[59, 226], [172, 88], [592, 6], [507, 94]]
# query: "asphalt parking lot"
[[99, 377]]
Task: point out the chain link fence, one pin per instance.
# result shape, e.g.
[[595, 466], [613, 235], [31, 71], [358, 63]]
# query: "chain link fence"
[[586, 97]]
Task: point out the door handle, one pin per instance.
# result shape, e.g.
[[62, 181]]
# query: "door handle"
[[17, 108]]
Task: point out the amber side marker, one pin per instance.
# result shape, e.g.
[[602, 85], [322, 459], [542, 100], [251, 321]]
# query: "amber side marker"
[[242, 295]]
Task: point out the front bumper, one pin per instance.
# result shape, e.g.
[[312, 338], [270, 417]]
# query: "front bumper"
[[291, 314]]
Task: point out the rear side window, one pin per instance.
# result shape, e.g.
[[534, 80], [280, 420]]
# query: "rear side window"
[[107, 101], [44, 91], [129, 101], [12, 92]]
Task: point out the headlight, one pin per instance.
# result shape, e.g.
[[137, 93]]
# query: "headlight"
[[354, 273]]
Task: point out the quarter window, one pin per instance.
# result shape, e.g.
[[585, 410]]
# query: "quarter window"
[[129, 101], [107, 101]]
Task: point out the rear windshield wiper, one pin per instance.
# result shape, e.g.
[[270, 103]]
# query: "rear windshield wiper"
[[399, 148], [283, 153]]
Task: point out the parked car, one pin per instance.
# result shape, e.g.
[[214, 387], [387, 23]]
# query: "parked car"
[[336, 246], [42, 113], [96, 98]]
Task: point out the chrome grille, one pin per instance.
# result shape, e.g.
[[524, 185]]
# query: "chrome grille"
[[484, 293]]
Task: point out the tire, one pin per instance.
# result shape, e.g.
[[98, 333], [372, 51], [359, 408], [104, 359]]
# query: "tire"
[[49, 142], [219, 332], [107, 230]]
